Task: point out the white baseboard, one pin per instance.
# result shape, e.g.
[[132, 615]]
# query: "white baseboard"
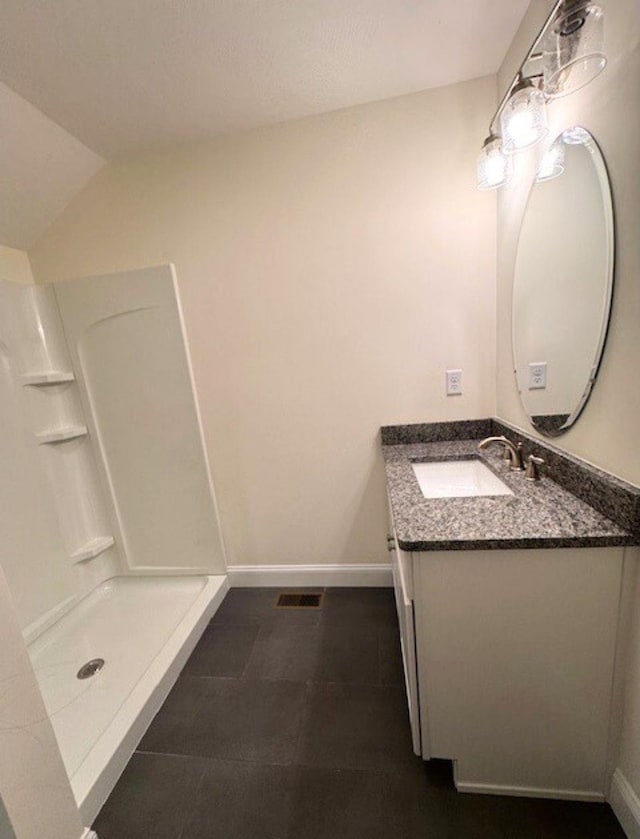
[[530, 792], [625, 803], [377, 576], [89, 834]]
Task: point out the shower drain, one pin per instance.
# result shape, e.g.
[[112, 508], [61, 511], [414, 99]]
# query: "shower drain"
[[90, 668]]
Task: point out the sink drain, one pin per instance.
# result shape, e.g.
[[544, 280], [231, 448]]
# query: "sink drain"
[[90, 668]]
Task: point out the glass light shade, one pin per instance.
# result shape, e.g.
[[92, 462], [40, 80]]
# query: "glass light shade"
[[576, 136], [573, 53], [524, 118], [494, 167], [552, 163]]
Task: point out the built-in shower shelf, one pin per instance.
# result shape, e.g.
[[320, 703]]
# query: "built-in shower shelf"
[[59, 435], [50, 377], [93, 548]]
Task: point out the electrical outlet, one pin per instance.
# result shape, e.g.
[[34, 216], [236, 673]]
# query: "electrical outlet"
[[537, 375], [454, 382]]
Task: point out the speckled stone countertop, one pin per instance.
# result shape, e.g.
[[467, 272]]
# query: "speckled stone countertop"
[[539, 514]]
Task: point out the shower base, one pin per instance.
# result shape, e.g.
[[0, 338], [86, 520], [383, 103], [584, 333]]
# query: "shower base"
[[144, 629]]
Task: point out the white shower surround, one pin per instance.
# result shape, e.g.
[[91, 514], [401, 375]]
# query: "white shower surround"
[[85, 582]]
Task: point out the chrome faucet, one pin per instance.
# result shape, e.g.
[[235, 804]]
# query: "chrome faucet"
[[515, 451]]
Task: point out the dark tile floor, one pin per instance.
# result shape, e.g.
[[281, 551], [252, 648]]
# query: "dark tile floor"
[[293, 725]]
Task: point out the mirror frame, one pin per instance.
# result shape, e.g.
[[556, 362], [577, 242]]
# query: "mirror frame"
[[602, 172]]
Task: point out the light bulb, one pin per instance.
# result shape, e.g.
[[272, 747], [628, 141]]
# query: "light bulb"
[[493, 167], [523, 118], [522, 127]]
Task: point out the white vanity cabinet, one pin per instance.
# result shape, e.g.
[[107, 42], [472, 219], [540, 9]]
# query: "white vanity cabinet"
[[514, 662], [401, 565]]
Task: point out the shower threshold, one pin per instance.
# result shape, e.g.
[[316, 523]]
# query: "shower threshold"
[[144, 629]]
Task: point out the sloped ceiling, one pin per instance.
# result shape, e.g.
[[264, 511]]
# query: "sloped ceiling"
[[130, 74], [42, 167], [99, 78]]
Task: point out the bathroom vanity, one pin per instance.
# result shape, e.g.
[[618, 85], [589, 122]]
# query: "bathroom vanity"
[[511, 592], [509, 608]]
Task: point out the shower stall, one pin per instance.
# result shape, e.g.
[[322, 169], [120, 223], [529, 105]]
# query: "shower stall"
[[110, 538]]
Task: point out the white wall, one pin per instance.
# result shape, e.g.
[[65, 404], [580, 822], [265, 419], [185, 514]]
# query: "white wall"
[[330, 270], [607, 432], [15, 266]]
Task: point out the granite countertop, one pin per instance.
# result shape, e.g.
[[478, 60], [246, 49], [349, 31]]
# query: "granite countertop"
[[539, 514]]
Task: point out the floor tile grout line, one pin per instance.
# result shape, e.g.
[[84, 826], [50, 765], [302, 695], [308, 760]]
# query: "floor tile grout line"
[[213, 759], [393, 770], [378, 684], [253, 646]]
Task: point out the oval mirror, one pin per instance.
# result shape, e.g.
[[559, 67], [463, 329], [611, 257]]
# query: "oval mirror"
[[563, 282]]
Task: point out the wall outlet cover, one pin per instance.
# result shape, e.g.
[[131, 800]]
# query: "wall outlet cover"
[[454, 382], [537, 375]]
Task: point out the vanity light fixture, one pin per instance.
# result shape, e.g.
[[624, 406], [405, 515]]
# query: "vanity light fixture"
[[573, 50], [552, 163], [524, 117], [494, 167], [567, 53]]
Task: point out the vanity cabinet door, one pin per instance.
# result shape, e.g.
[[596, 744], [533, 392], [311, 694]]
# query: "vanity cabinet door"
[[401, 565], [516, 652]]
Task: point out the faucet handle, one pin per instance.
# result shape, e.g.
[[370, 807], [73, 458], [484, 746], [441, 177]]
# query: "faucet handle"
[[533, 472]]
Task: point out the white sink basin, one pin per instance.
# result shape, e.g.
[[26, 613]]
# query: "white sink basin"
[[458, 479]]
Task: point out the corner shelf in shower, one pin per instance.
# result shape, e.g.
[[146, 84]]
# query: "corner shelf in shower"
[[59, 435], [49, 377], [93, 548]]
